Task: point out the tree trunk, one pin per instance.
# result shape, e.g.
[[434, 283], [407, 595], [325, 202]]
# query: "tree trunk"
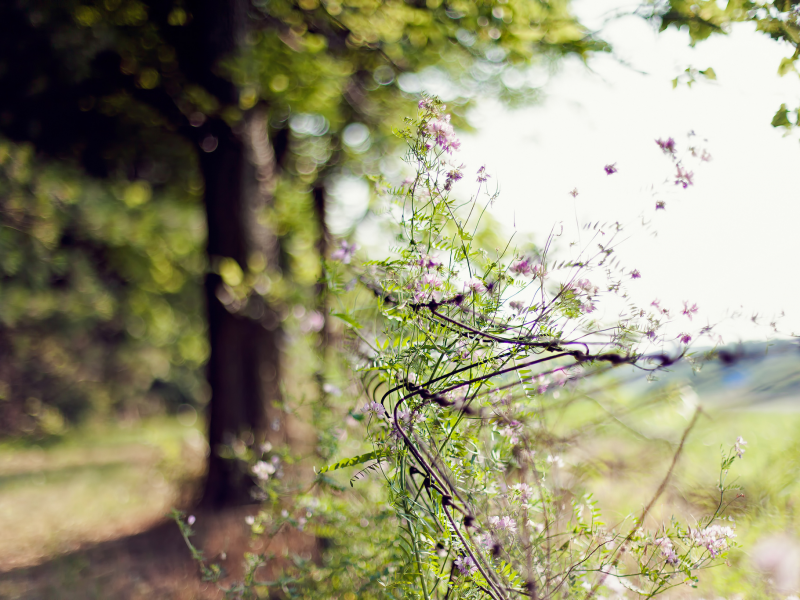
[[244, 367]]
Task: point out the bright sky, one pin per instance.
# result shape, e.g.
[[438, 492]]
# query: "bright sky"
[[728, 242]]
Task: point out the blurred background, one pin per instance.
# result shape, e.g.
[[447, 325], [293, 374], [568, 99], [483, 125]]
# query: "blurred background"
[[174, 174]]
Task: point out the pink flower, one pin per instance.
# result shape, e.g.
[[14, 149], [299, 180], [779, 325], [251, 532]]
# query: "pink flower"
[[683, 177], [465, 564], [687, 310], [432, 279], [504, 524], [574, 193], [443, 134], [427, 262], [476, 285], [374, 408], [522, 267], [452, 177], [344, 252], [685, 338], [190, 519], [667, 147], [737, 447], [667, 551], [610, 169]]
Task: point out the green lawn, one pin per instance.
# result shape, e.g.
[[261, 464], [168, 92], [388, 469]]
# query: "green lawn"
[[93, 484]]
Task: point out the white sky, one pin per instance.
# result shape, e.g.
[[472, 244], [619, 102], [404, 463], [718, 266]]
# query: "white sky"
[[727, 242]]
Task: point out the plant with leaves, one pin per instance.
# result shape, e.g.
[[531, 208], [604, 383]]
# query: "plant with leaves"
[[473, 357]]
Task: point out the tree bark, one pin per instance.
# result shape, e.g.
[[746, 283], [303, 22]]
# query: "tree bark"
[[244, 367]]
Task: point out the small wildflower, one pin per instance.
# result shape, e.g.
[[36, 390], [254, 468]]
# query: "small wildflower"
[[505, 523], [465, 564], [374, 408], [250, 520], [522, 267], [667, 147], [737, 447], [556, 461], [344, 253], [482, 175], [635, 274], [428, 262], [667, 550], [476, 285], [661, 205], [689, 310], [683, 177], [714, 538], [685, 338], [452, 177], [574, 192], [610, 169], [190, 519], [432, 280], [443, 134], [525, 491]]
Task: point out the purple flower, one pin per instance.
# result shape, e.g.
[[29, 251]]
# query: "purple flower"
[[344, 252], [476, 285], [443, 134], [689, 310], [190, 520], [452, 177], [432, 280], [611, 169], [667, 551], [635, 274], [482, 175], [503, 524], [737, 447], [428, 262], [661, 205], [683, 177], [574, 192], [667, 147], [465, 564], [685, 338], [374, 408], [522, 267]]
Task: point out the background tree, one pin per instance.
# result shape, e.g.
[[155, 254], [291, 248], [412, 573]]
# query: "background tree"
[[258, 106]]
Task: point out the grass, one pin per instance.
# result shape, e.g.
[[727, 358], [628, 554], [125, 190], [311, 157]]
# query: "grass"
[[93, 484], [100, 483]]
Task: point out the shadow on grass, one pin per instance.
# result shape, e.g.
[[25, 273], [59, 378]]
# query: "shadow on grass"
[[153, 564]]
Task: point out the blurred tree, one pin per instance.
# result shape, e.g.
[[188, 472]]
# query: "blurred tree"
[[779, 19], [269, 101]]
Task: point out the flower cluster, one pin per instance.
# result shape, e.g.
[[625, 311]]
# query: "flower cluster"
[[667, 550], [714, 538]]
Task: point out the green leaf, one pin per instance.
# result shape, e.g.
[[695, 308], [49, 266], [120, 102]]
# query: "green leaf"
[[348, 319], [787, 64], [709, 74], [351, 462], [781, 119]]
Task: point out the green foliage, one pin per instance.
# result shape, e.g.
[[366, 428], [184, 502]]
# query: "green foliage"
[[100, 309]]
